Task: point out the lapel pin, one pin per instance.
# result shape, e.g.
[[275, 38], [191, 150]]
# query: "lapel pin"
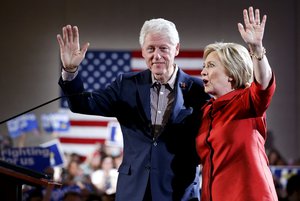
[[182, 85]]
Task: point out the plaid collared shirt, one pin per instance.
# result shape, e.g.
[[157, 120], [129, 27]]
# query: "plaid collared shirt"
[[162, 97]]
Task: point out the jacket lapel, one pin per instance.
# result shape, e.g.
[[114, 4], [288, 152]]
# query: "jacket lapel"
[[182, 86], [143, 85]]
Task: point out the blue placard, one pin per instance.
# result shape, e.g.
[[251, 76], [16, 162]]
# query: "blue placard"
[[34, 158], [56, 153]]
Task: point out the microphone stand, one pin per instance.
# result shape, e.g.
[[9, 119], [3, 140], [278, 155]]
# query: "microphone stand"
[[41, 105]]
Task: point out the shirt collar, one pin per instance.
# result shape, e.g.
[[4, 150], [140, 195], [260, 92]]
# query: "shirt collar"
[[171, 81]]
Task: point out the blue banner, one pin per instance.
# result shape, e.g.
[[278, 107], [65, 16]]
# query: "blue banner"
[[34, 158], [55, 122], [22, 124]]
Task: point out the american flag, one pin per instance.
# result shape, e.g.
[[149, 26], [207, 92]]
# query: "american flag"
[[98, 69]]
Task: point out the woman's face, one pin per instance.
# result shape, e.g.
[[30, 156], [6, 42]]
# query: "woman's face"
[[215, 78], [107, 163]]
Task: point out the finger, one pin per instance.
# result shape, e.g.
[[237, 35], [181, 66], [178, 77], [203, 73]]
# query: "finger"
[[241, 28], [263, 21], [85, 48], [257, 16], [76, 34], [65, 34], [246, 17], [251, 15], [60, 40], [70, 33]]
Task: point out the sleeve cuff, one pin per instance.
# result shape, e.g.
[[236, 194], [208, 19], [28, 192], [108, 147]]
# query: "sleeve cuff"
[[67, 76]]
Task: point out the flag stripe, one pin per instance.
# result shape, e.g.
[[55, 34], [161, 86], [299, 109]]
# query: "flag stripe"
[[87, 132], [190, 54], [74, 140], [86, 123], [182, 53], [193, 72], [184, 63], [82, 149]]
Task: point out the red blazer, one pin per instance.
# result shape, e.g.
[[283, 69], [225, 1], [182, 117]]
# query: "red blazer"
[[230, 144]]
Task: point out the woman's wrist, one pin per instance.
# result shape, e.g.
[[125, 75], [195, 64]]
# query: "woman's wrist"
[[257, 52]]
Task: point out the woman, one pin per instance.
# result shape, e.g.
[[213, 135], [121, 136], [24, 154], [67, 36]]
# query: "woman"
[[105, 178], [231, 139]]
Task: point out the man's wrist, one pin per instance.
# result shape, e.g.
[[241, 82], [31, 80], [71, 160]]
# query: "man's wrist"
[[71, 69], [68, 76]]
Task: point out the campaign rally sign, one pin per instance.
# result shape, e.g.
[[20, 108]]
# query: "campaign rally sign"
[[282, 174], [55, 122], [34, 158], [56, 153], [22, 124]]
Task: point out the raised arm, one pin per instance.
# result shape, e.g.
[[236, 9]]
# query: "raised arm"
[[70, 53], [252, 33]]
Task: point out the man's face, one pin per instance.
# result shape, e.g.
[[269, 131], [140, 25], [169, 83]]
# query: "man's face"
[[159, 54]]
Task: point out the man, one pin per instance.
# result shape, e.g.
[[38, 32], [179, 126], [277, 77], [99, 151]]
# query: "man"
[[157, 110]]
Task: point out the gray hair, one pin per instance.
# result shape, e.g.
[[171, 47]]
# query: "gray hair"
[[237, 61], [160, 26]]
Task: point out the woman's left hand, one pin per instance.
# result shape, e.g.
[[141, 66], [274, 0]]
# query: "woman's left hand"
[[253, 31]]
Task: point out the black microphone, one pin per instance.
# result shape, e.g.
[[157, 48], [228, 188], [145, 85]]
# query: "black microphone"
[[43, 104]]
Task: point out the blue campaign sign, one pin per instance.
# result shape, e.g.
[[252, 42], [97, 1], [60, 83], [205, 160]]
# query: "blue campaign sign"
[[39, 158], [34, 158], [56, 154], [283, 173]]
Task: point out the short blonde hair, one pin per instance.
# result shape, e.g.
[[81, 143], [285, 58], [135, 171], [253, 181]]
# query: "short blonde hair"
[[237, 61]]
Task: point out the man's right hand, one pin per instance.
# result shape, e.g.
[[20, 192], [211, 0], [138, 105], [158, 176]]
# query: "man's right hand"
[[70, 53]]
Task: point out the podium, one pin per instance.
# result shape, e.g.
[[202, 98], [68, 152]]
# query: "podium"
[[12, 177]]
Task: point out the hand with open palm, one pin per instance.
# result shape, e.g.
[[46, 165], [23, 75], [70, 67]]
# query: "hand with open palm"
[[70, 53], [253, 31]]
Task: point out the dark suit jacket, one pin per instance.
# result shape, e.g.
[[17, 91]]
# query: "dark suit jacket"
[[170, 161]]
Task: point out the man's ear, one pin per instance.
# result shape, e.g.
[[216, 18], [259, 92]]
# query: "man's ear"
[[142, 53], [177, 49]]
